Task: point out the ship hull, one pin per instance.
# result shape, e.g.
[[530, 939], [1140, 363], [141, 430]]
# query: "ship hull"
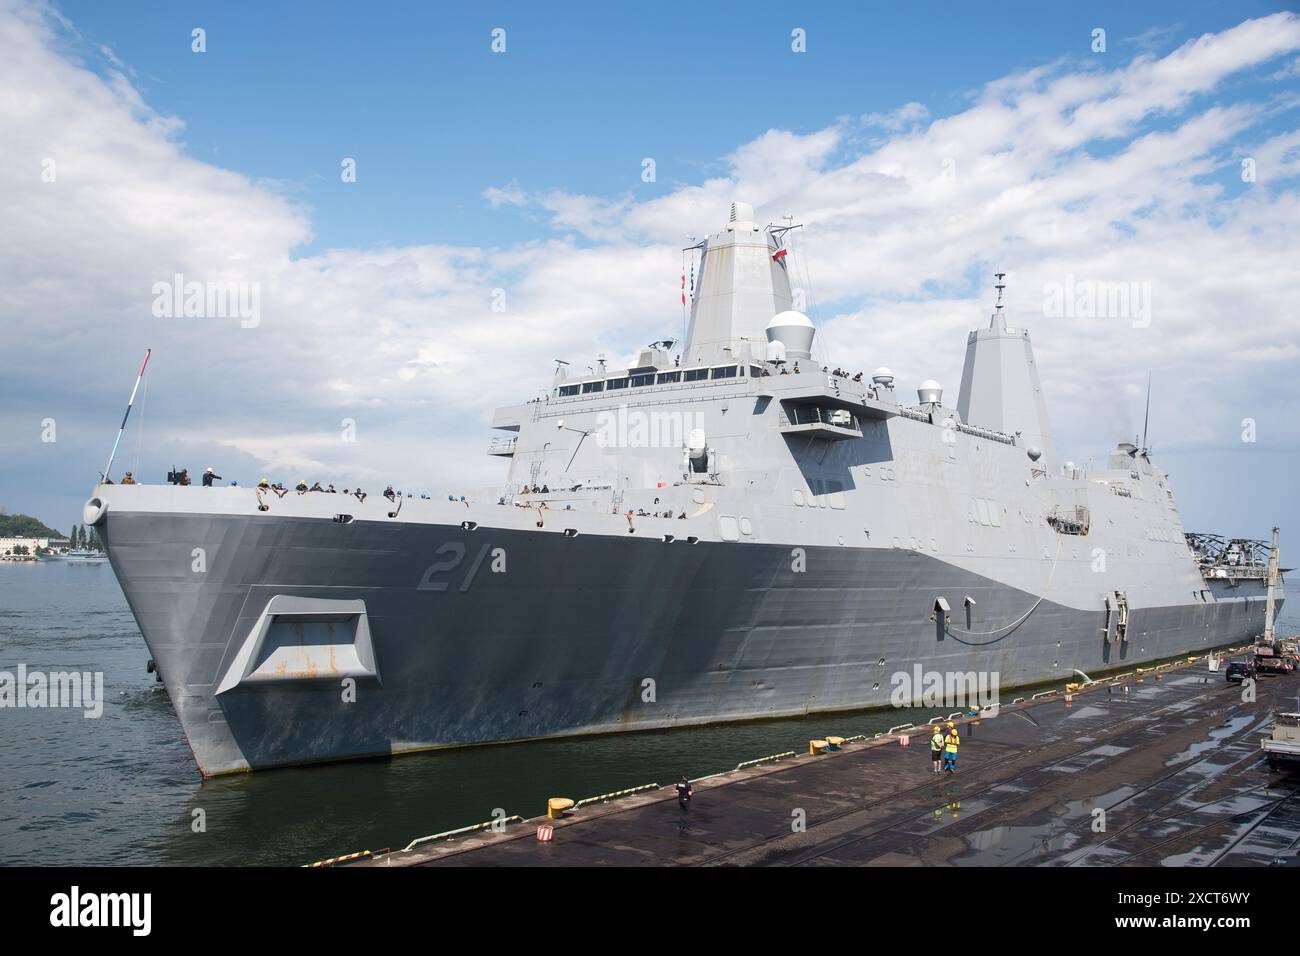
[[476, 634]]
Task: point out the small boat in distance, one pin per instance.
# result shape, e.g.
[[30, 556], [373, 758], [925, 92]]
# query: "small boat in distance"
[[81, 556]]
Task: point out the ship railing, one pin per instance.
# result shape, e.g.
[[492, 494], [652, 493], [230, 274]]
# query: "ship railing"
[[987, 433]]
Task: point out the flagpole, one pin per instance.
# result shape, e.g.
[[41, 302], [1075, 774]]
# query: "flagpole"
[[129, 402]]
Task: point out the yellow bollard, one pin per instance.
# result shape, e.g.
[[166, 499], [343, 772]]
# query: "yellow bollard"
[[816, 746], [556, 806]]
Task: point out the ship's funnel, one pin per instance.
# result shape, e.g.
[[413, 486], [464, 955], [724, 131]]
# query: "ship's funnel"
[[742, 285], [794, 331]]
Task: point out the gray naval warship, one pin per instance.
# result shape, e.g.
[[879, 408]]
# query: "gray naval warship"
[[723, 532]]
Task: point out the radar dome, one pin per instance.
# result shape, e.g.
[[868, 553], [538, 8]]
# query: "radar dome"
[[883, 376], [930, 392], [795, 331]]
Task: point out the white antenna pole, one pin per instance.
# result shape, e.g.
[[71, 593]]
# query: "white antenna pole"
[[1147, 419], [129, 402]]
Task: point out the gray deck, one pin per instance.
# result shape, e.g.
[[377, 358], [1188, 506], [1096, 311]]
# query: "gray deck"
[[1172, 757]]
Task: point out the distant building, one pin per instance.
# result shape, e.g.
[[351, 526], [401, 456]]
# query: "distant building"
[[7, 545]]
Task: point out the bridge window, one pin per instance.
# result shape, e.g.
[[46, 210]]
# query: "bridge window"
[[614, 383], [665, 377], [696, 374], [725, 371], [592, 387], [566, 390], [639, 380]]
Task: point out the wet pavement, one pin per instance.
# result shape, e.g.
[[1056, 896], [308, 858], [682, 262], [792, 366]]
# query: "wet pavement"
[[1161, 768]]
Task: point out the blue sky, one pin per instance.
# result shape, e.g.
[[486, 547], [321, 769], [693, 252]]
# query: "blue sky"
[[583, 94], [522, 171]]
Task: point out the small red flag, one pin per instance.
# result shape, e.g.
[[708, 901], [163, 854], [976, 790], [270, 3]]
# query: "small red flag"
[[778, 255]]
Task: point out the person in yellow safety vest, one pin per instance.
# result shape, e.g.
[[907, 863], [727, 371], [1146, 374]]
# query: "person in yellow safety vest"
[[951, 741], [936, 747]]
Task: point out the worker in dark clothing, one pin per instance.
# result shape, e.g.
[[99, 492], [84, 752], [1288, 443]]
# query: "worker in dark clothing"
[[208, 477], [184, 479], [684, 793]]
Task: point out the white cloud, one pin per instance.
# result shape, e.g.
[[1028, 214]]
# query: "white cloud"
[[1104, 173], [909, 114]]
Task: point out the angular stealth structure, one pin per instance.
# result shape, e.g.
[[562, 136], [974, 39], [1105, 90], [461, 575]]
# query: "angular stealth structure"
[[1000, 387], [743, 284], [754, 542]]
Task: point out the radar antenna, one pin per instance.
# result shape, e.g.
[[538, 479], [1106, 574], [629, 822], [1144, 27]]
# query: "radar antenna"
[[998, 320]]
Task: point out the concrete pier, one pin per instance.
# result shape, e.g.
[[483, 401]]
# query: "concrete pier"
[[1157, 767]]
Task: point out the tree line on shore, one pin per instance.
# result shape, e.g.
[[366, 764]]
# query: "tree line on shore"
[[80, 538]]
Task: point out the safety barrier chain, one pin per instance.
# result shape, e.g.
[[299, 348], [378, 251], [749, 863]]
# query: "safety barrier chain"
[[768, 759], [485, 825], [615, 794], [337, 859]]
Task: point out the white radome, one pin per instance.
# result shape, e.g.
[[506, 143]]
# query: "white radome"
[[790, 318], [795, 331]]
